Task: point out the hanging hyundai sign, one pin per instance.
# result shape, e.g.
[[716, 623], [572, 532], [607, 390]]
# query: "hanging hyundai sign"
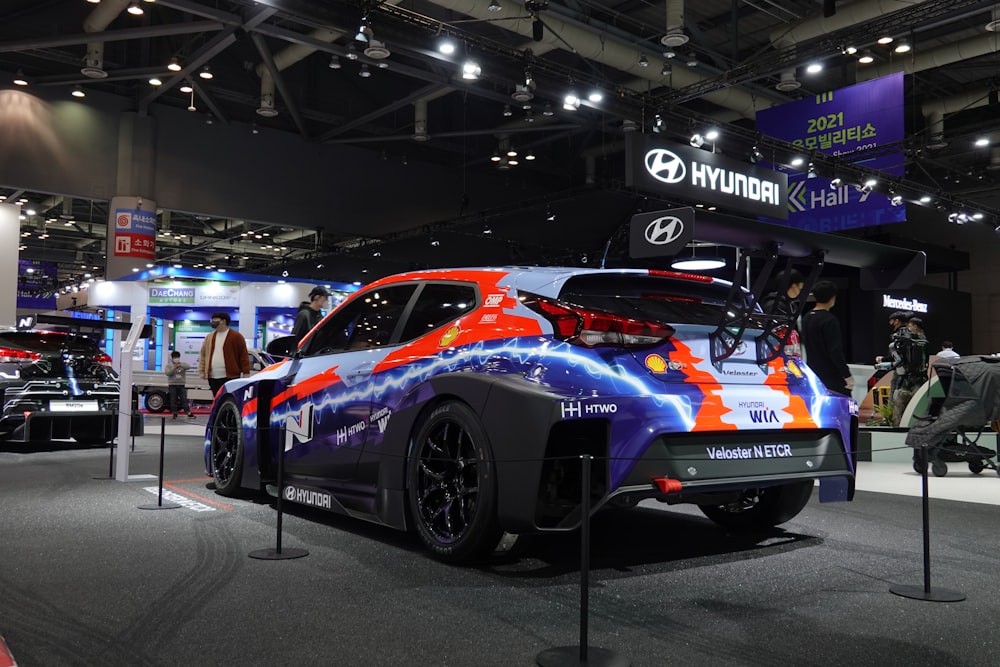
[[675, 171], [660, 233]]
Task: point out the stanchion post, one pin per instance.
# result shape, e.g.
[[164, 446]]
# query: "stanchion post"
[[926, 592], [284, 443], [160, 505], [583, 655]]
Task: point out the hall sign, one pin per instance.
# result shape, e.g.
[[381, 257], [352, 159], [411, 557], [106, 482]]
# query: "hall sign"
[[676, 171], [895, 303]]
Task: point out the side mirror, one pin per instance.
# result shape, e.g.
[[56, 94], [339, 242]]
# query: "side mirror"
[[282, 347]]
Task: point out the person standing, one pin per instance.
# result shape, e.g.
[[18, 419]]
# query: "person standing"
[[310, 312], [823, 342], [176, 373], [224, 355], [946, 350], [787, 308]]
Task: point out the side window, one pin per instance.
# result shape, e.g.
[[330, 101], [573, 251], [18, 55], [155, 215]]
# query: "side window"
[[367, 321], [438, 304]]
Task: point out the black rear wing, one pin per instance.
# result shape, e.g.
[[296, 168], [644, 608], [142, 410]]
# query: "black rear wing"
[[78, 324]]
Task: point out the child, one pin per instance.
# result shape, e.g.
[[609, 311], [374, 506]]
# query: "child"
[[177, 384]]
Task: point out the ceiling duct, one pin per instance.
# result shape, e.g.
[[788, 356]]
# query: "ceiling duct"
[[935, 110], [420, 120], [266, 108], [97, 21], [788, 81], [994, 164], [522, 93], [675, 25], [994, 24], [847, 16], [377, 50]]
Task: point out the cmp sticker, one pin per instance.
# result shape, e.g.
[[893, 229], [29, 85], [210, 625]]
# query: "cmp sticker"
[[493, 300], [656, 363], [449, 336]]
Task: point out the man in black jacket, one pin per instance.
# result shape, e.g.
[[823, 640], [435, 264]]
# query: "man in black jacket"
[[310, 313], [824, 346]]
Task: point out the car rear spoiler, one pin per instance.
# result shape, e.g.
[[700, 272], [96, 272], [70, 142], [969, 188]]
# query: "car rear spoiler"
[[78, 324]]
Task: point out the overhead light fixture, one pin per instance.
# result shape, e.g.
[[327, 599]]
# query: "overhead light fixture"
[[352, 52], [506, 111], [658, 124], [595, 96], [174, 65], [191, 106], [377, 50], [19, 79], [471, 70], [666, 70], [797, 161], [547, 110], [434, 242], [866, 58], [712, 135], [571, 102], [836, 182], [694, 262], [537, 29], [896, 200], [982, 141], [511, 152], [814, 68], [446, 46], [335, 62], [78, 92], [643, 61], [155, 81], [206, 73], [902, 47], [134, 9], [494, 6], [871, 182], [495, 157], [550, 216], [692, 60], [669, 53], [697, 140], [884, 40], [364, 72], [811, 171], [926, 199], [849, 50], [187, 88], [530, 155]]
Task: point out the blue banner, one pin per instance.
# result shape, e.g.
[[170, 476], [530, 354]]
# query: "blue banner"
[[36, 284], [853, 120]]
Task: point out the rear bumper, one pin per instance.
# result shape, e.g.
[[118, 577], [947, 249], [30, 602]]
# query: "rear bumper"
[[44, 425]]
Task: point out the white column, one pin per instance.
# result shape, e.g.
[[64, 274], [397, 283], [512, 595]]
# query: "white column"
[[10, 241]]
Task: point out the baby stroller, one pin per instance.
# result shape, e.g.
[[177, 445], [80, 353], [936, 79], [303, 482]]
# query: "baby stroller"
[[955, 421]]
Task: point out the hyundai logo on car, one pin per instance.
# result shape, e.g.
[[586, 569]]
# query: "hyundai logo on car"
[[705, 177], [660, 233]]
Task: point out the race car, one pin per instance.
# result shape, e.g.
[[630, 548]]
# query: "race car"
[[460, 402], [56, 385]]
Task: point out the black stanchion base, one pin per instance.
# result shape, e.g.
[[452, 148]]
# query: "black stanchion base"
[[569, 656], [159, 506], [274, 554], [932, 595]]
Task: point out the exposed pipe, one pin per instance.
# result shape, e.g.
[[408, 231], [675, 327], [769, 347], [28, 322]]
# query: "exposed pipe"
[[846, 17], [935, 110], [675, 35], [961, 50], [99, 19], [285, 58]]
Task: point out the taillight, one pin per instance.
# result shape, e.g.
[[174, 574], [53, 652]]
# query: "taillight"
[[102, 359], [593, 328], [11, 356]]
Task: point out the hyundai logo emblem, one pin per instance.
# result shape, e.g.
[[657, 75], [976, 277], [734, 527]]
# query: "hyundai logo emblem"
[[665, 166], [664, 230]]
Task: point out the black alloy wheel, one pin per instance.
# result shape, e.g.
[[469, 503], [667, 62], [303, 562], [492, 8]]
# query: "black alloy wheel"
[[452, 485], [227, 449]]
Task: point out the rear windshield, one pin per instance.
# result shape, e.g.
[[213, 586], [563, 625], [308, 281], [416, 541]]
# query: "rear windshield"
[[656, 298], [47, 342]]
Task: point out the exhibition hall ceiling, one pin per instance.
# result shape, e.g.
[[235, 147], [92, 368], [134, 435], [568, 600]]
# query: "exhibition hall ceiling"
[[370, 75]]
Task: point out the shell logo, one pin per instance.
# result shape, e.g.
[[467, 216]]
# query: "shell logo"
[[449, 336], [656, 363]]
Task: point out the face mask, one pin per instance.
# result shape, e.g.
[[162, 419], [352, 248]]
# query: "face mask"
[[215, 325]]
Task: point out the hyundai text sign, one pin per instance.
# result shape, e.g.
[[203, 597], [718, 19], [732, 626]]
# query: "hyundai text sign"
[[661, 233], [673, 170]]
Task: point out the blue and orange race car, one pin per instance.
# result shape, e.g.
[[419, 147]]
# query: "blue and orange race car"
[[460, 402]]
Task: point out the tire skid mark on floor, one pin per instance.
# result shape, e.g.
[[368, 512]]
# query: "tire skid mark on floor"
[[50, 634], [218, 559]]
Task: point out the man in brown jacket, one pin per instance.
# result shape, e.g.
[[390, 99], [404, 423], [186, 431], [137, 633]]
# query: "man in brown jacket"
[[223, 354]]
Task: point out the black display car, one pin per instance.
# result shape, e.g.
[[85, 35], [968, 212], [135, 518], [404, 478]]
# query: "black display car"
[[56, 385]]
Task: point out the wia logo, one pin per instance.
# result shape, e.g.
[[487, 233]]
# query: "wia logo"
[[763, 417]]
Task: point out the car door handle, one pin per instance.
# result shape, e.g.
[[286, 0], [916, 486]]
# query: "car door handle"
[[359, 373]]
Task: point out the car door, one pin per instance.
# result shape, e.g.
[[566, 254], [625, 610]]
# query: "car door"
[[332, 381]]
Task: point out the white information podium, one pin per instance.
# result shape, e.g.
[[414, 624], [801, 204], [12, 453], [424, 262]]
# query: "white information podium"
[[125, 409]]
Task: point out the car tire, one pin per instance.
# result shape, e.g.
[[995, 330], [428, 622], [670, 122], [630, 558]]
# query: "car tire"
[[156, 401], [227, 450], [452, 487], [760, 509]]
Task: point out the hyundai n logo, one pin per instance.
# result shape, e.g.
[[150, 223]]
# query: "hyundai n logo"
[[665, 166], [664, 230]]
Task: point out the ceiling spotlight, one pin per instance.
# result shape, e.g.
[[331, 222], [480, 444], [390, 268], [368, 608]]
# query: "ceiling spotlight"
[[494, 6], [982, 141], [364, 72], [134, 9], [850, 50], [487, 230], [797, 161], [334, 62], [692, 60], [885, 39], [811, 171], [506, 111], [697, 140], [547, 110], [530, 155], [471, 70], [205, 73], [174, 65], [549, 215], [595, 96], [896, 200], [571, 102], [186, 88], [643, 61], [434, 242], [495, 157], [836, 182], [78, 92], [155, 81], [666, 70], [658, 124], [926, 199], [669, 53], [871, 182], [19, 79], [352, 52], [814, 68], [866, 58], [902, 47], [446, 46]]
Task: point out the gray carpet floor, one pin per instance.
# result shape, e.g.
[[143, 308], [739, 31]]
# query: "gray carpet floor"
[[87, 578]]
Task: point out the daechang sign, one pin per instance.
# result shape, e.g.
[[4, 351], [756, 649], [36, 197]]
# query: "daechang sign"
[[675, 171]]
